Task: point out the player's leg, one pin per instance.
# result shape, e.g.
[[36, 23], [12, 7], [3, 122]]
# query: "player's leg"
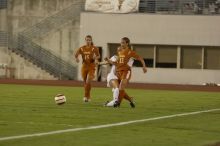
[[90, 77], [130, 99], [122, 94], [84, 74], [87, 89], [114, 84], [124, 76], [126, 96], [121, 79]]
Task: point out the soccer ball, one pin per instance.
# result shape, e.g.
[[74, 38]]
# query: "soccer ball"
[[60, 99]]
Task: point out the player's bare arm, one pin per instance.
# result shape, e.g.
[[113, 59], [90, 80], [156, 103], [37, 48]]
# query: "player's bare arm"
[[96, 58], [77, 55], [110, 61], [103, 63], [143, 64]]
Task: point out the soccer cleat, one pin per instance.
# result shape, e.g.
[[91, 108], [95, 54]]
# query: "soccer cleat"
[[132, 104], [85, 99], [105, 104], [116, 104]]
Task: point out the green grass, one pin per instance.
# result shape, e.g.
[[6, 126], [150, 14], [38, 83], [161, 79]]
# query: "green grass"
[[31, 109]]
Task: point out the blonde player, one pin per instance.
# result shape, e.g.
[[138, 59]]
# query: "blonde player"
[[90, 55]]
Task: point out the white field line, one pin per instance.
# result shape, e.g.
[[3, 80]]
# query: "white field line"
[[106, 125]]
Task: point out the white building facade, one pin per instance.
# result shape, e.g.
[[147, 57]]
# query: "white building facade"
[[178, 49]]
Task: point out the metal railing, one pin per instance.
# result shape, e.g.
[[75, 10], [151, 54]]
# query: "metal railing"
[[3, 39], [23, 44], [201, 7], [3, 4], [42, 57]]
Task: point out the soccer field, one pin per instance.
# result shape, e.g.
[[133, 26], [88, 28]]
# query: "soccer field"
[[27, 110]]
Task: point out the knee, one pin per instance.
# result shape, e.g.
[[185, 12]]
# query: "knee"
[[123, 83], [90, 78]]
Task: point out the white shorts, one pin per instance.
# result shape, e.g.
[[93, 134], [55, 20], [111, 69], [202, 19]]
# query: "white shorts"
[[110, 77]]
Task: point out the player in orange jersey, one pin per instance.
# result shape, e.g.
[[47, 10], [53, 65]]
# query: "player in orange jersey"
[[112, 81], [123, 70], [90, 55]]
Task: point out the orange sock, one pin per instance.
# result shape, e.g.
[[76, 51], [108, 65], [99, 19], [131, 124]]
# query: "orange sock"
[[127, 97], [87, 88], [121, 95]]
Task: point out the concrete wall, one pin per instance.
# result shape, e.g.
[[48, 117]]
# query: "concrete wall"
[[175, 76], [3, 18], [3, 47], [156, 29], [22, 14], [19, 68], [62, 42], [152, 29]]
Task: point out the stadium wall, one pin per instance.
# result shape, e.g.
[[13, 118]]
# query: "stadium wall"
[[179, 30], [24, 14]]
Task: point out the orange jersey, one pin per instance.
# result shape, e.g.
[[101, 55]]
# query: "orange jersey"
[[123, 58], [88, 54]]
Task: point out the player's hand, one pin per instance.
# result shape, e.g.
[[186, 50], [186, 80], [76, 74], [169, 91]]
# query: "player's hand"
[[77, 60], [106, 59], [97, 62], [144, 69]]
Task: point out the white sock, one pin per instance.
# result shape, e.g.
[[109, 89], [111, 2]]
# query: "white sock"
[[115, 97], [116, 94]]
